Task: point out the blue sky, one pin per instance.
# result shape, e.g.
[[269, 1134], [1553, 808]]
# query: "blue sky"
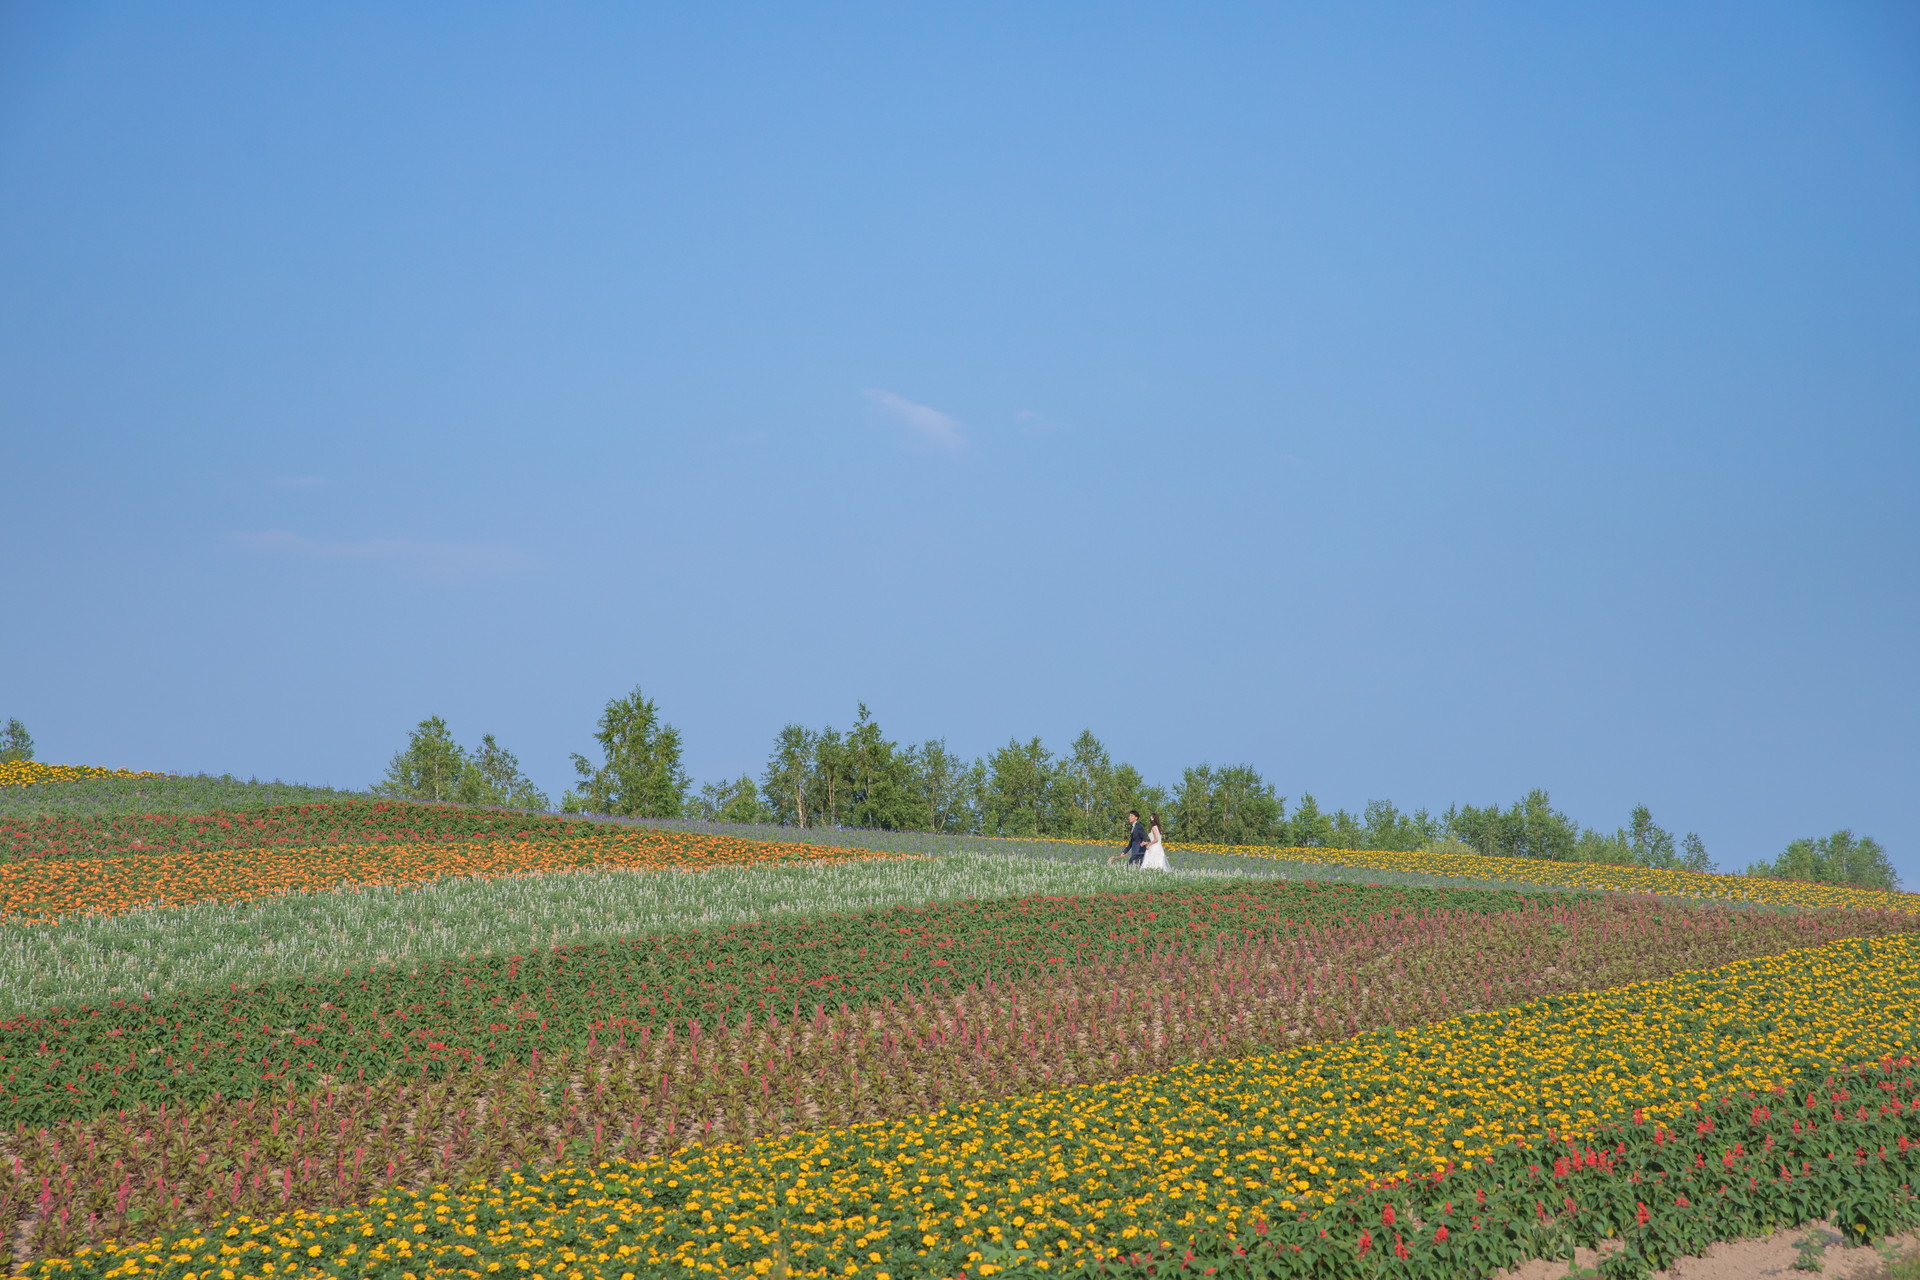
[[1418, 402]]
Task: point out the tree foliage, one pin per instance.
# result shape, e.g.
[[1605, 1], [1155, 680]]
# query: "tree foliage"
[[950, 789], [432, 766], [1652, 844], [1530, 828], [493, 777], [736, 801], [428, 767], [15, 742], [863, 778], [1019, 786], [786, 787], [640, 774], [1233, 805], [1840, 858]]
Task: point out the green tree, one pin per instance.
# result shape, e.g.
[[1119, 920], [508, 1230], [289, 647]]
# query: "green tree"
[[1531, 828], [1090, 794], [1018, 782], [1234, 805], [1594, 845], [1387, 828], [15, 742], [1149, 799], [430, 767], [1651, 843], [640, 775], [881, 785], [1082, 784], [973, 787], [942, 781], [1345, 831], [1309, 828], [1836, 859], [492, 776], [832, 780], [786, 784], [939, 782], [1693, 853], [736, 801]]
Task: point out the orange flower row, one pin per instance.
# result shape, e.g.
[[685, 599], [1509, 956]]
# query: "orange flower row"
[[43, 890]]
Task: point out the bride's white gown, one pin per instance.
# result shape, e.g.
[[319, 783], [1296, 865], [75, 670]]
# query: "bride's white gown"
[[1156, 859]]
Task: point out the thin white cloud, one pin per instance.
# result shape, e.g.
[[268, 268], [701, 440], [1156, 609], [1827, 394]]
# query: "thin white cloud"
[[1035, 421], [925, 426], [428, 559]]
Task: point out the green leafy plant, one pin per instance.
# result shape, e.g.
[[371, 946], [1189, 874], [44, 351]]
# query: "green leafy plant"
[[1811, 1253], [1901, 1265]]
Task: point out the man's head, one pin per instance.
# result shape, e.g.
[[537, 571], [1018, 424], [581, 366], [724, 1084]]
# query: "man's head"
[[1133, 815]]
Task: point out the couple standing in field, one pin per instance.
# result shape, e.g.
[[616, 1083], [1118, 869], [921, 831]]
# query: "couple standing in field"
[[1144, 846]]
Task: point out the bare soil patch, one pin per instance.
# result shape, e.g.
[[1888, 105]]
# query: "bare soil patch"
[[1773, 1255]]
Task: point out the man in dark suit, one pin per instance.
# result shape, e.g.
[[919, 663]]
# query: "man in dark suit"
[[1136, 839]]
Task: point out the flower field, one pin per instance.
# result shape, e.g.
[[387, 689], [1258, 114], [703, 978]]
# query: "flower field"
[[298, 825], [46, 889], [1593, 876], [96, 959], [761, 991], [1243, 1150], [14, 773], [1076, 1070], [145, 794]]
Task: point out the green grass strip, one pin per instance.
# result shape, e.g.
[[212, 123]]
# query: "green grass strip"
[[199, 793], [942, 844]]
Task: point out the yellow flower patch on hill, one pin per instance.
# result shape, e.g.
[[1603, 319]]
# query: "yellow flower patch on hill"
[[18, 773]]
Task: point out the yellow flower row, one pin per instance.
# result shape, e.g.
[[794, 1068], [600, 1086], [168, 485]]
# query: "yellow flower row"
[[1588, 875], [1096, 1170], [19, 773]]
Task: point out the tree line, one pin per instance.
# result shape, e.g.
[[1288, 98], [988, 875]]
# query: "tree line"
[[862, 778]]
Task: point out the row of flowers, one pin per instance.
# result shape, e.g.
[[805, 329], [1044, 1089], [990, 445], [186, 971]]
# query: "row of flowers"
[[46, 889], [186, 1046], [279, 1140], [1220, 1155], [23, 773], [1590, 876], [61, 836], [1842, 1146]]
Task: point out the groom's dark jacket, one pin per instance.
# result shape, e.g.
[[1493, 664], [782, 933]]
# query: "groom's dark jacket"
[[1137, 840]]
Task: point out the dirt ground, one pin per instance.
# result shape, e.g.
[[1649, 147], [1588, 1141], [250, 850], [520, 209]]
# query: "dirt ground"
[[1772, 1255]]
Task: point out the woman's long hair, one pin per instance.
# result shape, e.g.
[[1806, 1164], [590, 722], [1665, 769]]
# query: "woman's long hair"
[[1153, 825]]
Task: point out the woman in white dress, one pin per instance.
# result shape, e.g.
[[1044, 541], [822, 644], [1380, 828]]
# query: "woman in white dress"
[[1156, 859]]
